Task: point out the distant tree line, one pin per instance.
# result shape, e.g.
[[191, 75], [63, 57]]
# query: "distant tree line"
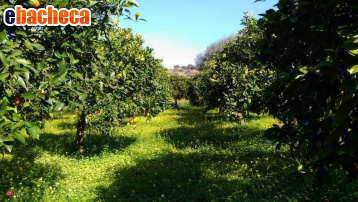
[[212, 49]]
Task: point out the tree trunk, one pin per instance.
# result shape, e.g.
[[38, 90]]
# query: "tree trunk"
[[221, 109], [175, 103], [80, 131]]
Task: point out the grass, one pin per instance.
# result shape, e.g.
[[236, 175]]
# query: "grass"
[[180, 155]]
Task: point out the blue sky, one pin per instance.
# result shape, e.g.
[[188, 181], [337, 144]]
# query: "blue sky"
[[178, 30]]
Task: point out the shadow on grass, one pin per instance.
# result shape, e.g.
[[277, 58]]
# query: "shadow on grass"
[[63, 141], [224, 164], [28, 179], [205, 176], [212, 177], [94, 145], [67, 125], [70, 117], [208, 134], [196, 131]]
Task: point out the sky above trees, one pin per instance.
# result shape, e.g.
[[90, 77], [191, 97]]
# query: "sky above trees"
[[178, 30]]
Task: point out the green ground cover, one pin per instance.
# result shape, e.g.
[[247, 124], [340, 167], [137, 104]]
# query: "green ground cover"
[[180, 155]]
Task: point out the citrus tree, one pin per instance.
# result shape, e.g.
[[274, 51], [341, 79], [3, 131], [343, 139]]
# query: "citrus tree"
[[312, 45], [103, 72], [178, 88], [234, 80], [94, 70], [23, 78], [193, 91], [124, 82]]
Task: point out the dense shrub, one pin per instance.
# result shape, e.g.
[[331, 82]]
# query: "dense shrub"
[[234, 80], [312, 44]]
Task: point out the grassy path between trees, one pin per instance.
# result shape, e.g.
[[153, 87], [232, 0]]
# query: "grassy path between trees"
[[177, 156]]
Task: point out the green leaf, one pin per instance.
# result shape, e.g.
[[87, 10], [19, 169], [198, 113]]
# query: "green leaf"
[[28, 124], [73, 60], [16, 53], [62, 66], [63, 3], [20, 137], [2, 34], [28, 96], [8, 146], [322, 65], [26, 104], [136, 15], [22, 33], [81, 96], [130, 3], [10, 42], [6, 139], [29, 45], [33, 133], [22, 61], [78, 50], [38, 46], [33, 69], [17, 125], [27, 76], [3, 59], [15, 117], [65, 44], [60, 76], [354, 53], [80, 106], [59, 106], [40, 65], [77, 75], [351, 43], [20, 80], [304, 69], [353, 69], [3, 76], [3, 107], [284, 76], [101, 57], [10, 108], [112, 75]]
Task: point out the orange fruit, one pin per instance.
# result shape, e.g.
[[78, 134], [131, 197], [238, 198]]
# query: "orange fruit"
[[34, 3], [131, 121], [17, 99], [8, 193], [90, 114]]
